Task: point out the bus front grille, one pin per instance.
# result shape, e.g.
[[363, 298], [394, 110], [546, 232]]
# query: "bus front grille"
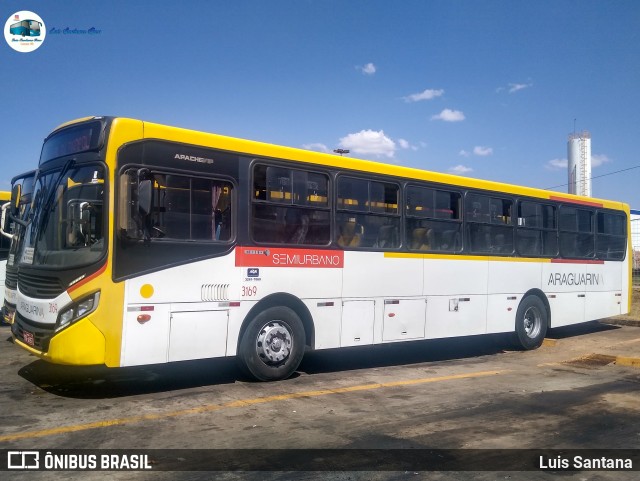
[[31, 333], [39, 287], [11, 279]]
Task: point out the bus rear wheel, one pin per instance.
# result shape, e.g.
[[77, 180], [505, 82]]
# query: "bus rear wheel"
[[532, 321], [272, 345]]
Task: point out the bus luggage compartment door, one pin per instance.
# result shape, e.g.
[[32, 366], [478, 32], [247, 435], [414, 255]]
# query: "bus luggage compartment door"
[[357, 323], [404, 319], [198, 334]]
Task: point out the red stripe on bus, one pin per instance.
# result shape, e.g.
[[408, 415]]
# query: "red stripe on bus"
[[287, 257], [82, 282], [576, 261], [574, 201]]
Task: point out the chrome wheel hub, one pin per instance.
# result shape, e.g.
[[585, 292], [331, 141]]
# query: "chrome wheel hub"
[[532, 322], [274, 342]]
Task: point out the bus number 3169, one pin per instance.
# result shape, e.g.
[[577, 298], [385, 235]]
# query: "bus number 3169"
[[249, 291]]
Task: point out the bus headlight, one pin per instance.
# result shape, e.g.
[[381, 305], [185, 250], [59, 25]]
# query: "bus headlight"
[[77, 310]]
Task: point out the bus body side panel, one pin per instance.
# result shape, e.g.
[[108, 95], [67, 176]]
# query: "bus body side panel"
[[456, 293], [580, 291], [603, 290], [627, 283], [180, 312], [509, 280], [383, 298], [313, 276], [196, 310], [372, 275], [566, 296], [326, 314]]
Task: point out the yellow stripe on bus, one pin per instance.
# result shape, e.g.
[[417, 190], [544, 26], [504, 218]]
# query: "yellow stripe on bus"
[[460, 257]]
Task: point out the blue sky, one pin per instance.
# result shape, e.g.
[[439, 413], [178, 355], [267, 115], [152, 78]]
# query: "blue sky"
[[488, 89]]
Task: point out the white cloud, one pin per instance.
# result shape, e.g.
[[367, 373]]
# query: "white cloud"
[[368, 69], [404, 144], [317, 147], [557, 164], [449, 115], [482, 151], [516, 87], [428, 94], [369, 142], [598, 159], [460, 169], [464, 153]]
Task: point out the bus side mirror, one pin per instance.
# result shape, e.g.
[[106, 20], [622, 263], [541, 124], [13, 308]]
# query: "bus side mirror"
[[144, 197], [5, 221], [16, 193]]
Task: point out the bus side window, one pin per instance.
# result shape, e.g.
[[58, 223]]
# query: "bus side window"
[[368, 213], [576, 232], [433, 220], [182, 208], [489, 226], [536, 230], [611, 240], [290, 206]]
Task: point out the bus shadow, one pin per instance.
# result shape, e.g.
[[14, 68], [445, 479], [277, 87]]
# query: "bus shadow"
[[430, 351], [406, 353], [580, 330], [101, 382]]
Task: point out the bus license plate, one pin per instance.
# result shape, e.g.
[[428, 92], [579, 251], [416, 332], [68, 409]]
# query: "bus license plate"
[[28, 338]]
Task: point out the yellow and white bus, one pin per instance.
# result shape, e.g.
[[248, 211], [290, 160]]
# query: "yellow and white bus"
[[153, 244], [13, 231], [5, 241]]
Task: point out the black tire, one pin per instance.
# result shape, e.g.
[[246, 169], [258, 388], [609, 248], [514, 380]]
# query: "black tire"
[[272, 345], [532, 321]]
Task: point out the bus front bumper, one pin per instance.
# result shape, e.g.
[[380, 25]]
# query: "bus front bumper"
[[81, 344]]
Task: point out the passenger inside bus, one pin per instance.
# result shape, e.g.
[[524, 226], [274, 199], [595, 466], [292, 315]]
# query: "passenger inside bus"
[[300, 223], [350, 233], [387, 237], [422, 239]]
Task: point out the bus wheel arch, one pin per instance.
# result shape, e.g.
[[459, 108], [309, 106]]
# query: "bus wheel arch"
[[273, 337], [532, 320]]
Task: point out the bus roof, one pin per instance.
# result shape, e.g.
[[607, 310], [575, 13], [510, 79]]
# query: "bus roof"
[[177, 134]]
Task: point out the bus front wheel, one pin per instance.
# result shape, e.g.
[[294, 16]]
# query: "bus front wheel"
[[531, 323], [272, 345]]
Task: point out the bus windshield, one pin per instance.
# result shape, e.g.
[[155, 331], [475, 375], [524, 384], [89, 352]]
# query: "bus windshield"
[[34, 28], [66, 221]]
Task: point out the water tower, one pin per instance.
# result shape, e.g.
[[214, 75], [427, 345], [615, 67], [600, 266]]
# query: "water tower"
[[579, 155]]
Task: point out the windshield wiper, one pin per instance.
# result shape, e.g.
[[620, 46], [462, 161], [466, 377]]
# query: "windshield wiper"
[[51, 195]]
